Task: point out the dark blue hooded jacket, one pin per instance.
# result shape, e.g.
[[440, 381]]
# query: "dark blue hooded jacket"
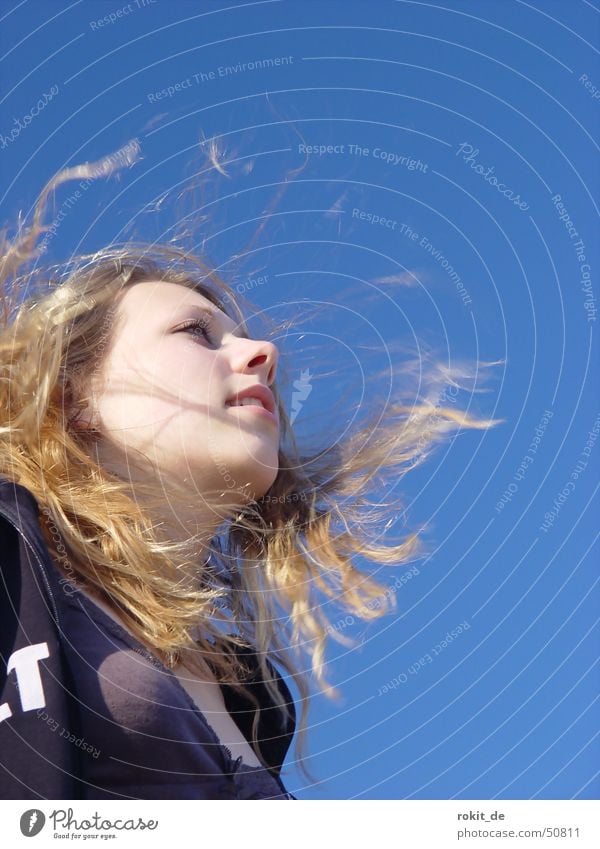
[[86, 712]]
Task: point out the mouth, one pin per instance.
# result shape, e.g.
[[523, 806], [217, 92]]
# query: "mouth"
[[258, 399]]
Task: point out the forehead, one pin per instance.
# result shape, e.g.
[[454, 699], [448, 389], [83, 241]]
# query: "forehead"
[[159, 298]]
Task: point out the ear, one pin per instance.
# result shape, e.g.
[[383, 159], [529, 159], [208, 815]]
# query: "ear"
[[77, 422]]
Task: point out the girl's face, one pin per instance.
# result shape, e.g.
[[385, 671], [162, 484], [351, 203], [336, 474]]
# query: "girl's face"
[[174, 364]]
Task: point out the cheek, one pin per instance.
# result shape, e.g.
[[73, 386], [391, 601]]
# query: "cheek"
[[135, 399], [169, 396], [172, 411], [130, 415], [186, 372]]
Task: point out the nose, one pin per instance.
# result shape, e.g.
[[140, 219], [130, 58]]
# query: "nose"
[[257, 357]]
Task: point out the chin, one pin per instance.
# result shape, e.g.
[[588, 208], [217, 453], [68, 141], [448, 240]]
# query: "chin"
[[260, 471]]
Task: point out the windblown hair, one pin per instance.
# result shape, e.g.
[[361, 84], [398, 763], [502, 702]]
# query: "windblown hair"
[[271, 560]]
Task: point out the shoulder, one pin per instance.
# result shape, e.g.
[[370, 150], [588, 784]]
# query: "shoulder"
[[20, 522], [17, 498], [37, 762]]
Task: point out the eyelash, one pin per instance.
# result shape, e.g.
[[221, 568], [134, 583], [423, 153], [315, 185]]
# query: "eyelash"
[[204, 324]]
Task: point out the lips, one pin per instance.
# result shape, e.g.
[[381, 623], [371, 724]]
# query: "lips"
[[260, 392]]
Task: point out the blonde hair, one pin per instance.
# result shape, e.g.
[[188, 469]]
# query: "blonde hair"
[[303, 534]]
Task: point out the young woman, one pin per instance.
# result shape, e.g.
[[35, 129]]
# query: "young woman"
[[164, 540]]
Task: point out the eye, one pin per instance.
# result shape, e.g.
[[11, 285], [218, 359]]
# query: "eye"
[[203, 325]]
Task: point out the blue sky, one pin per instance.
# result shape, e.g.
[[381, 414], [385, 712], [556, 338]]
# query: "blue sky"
[[408, 179]]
